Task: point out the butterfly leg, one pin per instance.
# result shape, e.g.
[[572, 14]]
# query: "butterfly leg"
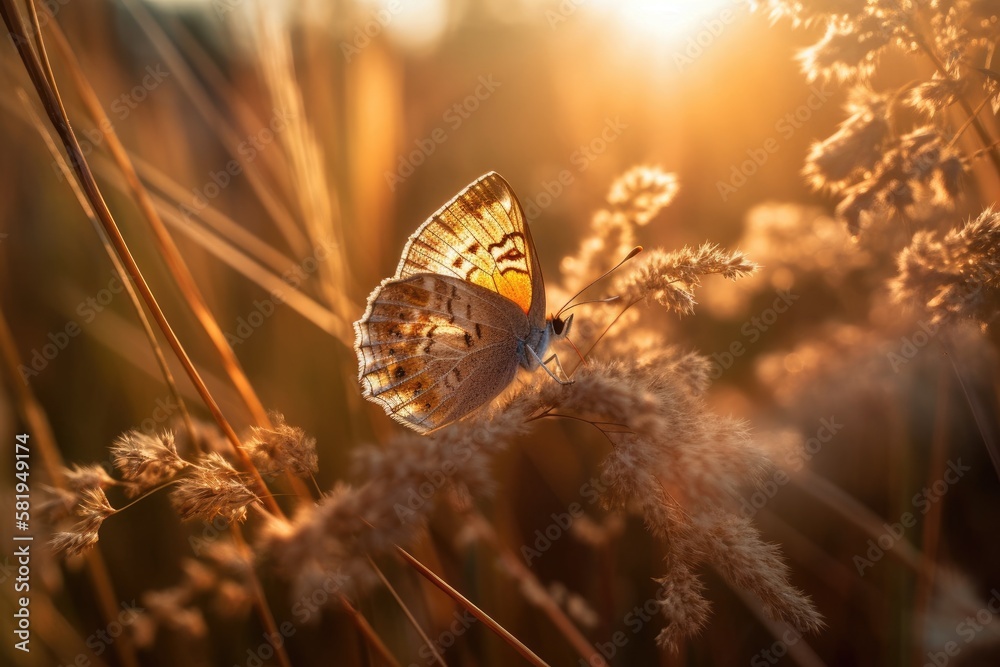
[[544, 364]]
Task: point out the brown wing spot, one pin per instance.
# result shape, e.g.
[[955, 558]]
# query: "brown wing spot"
[[400, 372], [470, 208], [395, 332], [511, 255], [458, 262], [468, 339], [458, 376], [392, 352], [468, 310], [473, 248], [418, 386], [479, 331]]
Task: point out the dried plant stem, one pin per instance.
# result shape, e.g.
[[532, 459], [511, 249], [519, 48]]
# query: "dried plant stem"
[[983, 417], [965, 126], [857, 514], [541, 599], [973, 116], [799, 651], [53, 106], [202, 102], [368, 632], [260, 602], [147, 328], [164, 242], [502, 632], [44, 442], [407, 612], [932, 522]]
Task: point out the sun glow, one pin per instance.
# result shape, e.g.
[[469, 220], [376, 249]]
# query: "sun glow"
[[671, 23]]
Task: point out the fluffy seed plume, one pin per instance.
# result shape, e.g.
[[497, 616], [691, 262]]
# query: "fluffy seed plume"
[[282, 448], [679, 466], [146, 461], [404, 481], [642, 192], [213, 488], [669, 278], [855, 147], [634, 199], [94, 508], [955, 276]]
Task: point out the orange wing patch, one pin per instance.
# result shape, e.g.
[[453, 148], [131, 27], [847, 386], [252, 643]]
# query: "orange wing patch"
[[480, 237]]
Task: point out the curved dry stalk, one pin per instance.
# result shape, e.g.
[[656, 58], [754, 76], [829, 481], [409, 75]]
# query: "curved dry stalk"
[[932, 523], [406, 610], [544, 600], [501, 631], [147, 328], [164, 242], [260, 602], [34, 415], [51, 101], [368, 632], [227, 136]]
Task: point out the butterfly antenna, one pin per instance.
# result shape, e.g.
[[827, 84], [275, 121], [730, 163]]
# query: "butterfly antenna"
[[590, 349], [635, 251]]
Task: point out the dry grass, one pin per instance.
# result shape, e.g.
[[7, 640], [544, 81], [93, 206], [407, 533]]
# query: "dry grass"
[[826, 370]]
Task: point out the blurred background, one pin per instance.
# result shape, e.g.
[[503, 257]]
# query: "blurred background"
[[296, 145]]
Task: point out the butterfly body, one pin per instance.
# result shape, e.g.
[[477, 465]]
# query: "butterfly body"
[[447, 333]]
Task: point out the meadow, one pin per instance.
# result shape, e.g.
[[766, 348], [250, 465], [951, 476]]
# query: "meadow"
[[770, 435]]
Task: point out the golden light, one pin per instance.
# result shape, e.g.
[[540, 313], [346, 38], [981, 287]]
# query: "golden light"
[[671, 23]]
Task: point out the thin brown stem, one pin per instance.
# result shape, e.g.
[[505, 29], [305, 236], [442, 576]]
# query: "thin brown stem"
[[44, 442], [485, 618], [260, 602], [541, 598], [932, 522], [406, 610], [368, 632], [53, 107]]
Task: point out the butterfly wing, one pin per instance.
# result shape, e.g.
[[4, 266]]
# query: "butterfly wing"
[[433, 348], [481, 237]]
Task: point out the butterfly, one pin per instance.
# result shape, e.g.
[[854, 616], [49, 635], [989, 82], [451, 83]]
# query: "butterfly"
[[464, 310]]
